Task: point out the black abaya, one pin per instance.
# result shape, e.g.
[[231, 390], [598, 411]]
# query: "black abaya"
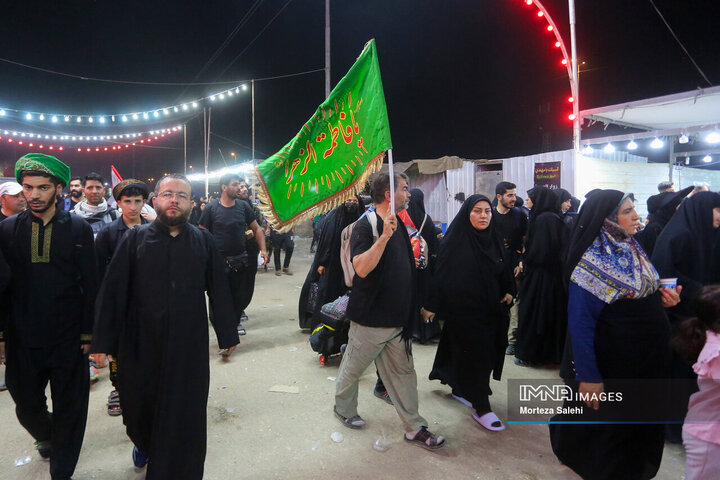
[[416, 210], [151, 314], [331, 284], [471, 279], [542, 321]]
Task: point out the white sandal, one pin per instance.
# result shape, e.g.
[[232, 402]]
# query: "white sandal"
[[489, 421]]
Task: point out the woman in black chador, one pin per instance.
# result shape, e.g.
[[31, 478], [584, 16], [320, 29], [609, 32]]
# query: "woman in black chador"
[[326, 270], [419, 220], [618, 335], [684, 250], [542, 314], [666, 203], [473, 289]]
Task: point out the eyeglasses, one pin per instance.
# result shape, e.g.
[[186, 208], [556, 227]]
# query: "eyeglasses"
[[179, 195]]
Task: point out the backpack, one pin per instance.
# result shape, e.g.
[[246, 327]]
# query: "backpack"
[[420, 247], [345, 258]]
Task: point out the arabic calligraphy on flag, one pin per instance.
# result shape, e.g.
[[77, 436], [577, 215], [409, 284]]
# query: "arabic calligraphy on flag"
[[333, 154]]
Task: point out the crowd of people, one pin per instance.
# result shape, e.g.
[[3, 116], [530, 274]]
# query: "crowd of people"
[[552, 285], [575, 291]]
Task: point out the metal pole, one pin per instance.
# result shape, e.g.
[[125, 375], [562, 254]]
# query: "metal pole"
[[252, 96], [575, 79], [327, 48], [671, 158], [391, 171], [185, 146]]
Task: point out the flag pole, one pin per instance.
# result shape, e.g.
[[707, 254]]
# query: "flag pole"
[[391, 172]]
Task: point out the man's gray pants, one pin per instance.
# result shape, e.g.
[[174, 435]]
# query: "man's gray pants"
[[386, 348]]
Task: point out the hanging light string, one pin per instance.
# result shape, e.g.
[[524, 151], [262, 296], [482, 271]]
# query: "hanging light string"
[[64, 137], [109, 146], [559, 43], [123, 118]]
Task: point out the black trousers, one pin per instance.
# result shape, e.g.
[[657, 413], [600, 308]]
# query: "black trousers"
[[66, 368], [282, 241]]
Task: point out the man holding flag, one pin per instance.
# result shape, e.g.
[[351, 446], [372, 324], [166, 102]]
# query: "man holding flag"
[[329, 160]]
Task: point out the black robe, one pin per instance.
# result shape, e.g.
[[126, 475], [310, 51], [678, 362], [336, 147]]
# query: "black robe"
[[330, 284], [471, 279], [542, 321], [666, 205], [422, 331], [684, 251], [151, 314]]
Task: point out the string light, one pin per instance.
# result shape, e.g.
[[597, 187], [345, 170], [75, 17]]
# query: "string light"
[[632, 145], [707, 159], [657, 143], [713, 137], [126, 116], [149, 136]]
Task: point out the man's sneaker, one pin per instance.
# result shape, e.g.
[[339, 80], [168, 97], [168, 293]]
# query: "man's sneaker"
[[354, 422], [278, 273], [287, 271], [94, 374], [383, 395], [140, 458], [44, 448], [241, 329], [243, 317], [510, 350]]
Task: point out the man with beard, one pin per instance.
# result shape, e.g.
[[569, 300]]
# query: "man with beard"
[[511, 223], [381, 307], [76, 195], [95, 209], [11, 199], [253, 248], [130, 196], [151, 313], [52, 297], [226, 220]]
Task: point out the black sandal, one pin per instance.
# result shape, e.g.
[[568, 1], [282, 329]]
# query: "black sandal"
[[113, 404], [426, 439]]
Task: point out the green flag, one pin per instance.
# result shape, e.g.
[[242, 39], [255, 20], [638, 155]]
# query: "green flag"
[[333, 154]]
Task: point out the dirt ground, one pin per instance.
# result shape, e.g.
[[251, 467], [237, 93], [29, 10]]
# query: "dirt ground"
[[257, 434]]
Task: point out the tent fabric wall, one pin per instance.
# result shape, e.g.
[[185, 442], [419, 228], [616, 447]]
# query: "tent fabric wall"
[[433, 188], [521, 170], [440, 190]]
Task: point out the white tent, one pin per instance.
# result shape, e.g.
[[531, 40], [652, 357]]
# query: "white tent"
[[688, 114]]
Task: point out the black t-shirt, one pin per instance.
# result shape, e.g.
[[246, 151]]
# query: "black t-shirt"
[[384, 297], [511, 226], [227, 224]]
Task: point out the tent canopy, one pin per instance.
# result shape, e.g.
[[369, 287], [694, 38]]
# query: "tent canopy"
[[666, 116], [429, 166]]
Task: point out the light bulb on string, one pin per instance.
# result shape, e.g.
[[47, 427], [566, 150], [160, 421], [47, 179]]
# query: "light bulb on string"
[[2, 112], [28, 116], [79, 119], [54, 119], [90, 120], [123, 118], [549, 28], [41, 117], [175, 109], [713, 137], [557, 44], [156, 114], [540, 13], [564, 61], [657, 143], [146, 116], [571, 116], [194, 104], [707, 159]]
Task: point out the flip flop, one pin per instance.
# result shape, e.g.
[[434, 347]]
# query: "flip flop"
[[489, 421]]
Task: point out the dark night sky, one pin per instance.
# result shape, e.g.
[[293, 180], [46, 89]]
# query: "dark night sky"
[[478, 79]]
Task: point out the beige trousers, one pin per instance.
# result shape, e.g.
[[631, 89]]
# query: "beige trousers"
[[386, 348]]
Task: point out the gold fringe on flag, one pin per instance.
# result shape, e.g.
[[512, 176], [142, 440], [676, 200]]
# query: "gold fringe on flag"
[[266, 206]]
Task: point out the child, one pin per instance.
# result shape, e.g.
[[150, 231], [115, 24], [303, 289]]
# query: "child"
[[699, 341]]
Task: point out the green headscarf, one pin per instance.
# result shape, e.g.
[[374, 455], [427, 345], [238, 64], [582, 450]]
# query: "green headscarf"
[[39, 162]]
